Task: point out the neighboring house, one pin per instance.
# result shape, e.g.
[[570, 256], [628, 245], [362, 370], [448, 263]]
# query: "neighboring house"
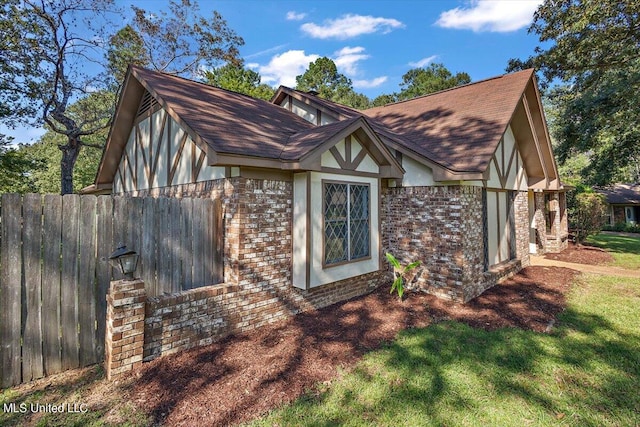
[[624, 203], [315, 193]]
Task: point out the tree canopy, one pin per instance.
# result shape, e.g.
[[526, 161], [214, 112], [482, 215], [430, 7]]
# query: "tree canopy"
[[323, 77], [591, 50], [46, 47], [238, 79], [434, 78]]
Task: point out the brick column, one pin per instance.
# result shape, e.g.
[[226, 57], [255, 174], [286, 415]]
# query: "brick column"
[[124, 340]]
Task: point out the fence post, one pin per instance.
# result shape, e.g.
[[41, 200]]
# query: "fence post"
[[124, 338]]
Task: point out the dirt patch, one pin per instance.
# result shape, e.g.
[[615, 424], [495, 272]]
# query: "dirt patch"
[[245, 375], [583, 254]]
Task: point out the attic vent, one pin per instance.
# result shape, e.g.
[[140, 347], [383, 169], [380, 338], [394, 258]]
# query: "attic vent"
[[148, 102]]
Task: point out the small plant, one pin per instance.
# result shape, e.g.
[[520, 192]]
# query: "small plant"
[[399, 272]]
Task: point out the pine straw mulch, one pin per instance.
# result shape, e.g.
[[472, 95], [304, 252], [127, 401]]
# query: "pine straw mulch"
[[582, 254], [246, 375]]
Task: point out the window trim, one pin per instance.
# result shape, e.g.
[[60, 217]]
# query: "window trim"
[[323, 183]]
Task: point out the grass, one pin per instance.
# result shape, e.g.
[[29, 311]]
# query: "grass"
[[93, 402], [585, 373], [624, 249]]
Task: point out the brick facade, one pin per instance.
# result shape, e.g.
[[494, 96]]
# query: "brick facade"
[[257, 289], [551, 237], [442, 226], [124, 338]]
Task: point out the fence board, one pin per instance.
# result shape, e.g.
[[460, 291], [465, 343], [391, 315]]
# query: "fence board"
[[87, 281], [10, 289], [69, 281], [104, 236], [174, 245], [148, 256], [32, 365], [218, 241], [198, 242], [52, 212], [186, 233], [120, 226], [207, 215], [54, 270], [163, 247]]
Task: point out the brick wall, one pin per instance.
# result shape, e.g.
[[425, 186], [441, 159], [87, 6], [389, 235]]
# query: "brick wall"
[[257, 289], [556, 240], [521, 209], [442, 227], [171, 323], [124, 336]]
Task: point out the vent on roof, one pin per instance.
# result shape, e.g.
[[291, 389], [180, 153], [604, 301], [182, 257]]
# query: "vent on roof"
[[148, 102], [313, 92]]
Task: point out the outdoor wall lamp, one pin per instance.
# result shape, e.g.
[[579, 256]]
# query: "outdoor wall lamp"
[[126, 260]]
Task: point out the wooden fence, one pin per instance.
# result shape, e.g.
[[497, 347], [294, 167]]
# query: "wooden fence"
[[54, 272]]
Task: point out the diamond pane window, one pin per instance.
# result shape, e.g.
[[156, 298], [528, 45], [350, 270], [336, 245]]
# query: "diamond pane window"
[[346, 222]]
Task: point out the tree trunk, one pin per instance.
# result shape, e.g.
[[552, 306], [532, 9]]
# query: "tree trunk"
[[69, 156]]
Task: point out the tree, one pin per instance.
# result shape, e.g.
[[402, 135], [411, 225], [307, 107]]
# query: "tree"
[[322, 77], [384, 99], [49, 46], [238, 79], [593, 49], [14, 169], [434, 78], [588, 214], [126, 47], [179, 41]]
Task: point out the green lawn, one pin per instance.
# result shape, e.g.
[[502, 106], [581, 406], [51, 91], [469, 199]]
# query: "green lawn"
[[585, 373], [625, 250]]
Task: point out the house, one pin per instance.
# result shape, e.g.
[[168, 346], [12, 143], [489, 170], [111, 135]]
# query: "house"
[[624, 203], [315, 193]]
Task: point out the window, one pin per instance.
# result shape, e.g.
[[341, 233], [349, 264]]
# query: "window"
[[347, 227]]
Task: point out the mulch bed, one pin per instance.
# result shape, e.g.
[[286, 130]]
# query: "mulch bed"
[[583, 254], [246, 375]]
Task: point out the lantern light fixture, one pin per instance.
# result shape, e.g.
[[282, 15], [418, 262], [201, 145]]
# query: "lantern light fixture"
[[125, 260]]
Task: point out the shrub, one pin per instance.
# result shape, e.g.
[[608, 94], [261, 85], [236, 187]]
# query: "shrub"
[[589, 215]]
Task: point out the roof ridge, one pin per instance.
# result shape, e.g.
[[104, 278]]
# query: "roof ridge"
[[451, 89], [197, 82]]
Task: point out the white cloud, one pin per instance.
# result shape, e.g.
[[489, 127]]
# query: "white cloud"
[[348, 26], [295, 16], [347, 59], [283, 68], [367, 84], [267, 51], [252, 65], [423, 62], [490, 15]]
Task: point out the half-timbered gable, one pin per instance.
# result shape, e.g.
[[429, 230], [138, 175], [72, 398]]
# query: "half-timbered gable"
[[160, 153]]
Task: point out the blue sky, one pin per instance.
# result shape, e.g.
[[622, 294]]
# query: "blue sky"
[[372, 42], [375, 42]]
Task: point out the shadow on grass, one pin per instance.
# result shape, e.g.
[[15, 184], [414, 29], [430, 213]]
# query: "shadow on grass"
[[616, 243], [452, 374]]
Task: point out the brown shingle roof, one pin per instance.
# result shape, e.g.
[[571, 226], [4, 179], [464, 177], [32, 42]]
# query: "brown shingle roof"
[[228, 122], [621, 194], [459, 128], [304, 142]]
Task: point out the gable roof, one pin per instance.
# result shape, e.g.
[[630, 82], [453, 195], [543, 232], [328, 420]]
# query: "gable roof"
[[461, 127], [229, 127], [621, 194], [228, 122]]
